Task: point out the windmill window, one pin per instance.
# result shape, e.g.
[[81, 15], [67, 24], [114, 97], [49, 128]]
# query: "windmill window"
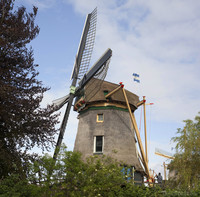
[[98, 144], [100, 118]]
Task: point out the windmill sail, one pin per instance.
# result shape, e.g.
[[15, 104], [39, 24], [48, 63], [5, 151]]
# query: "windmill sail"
[[58, 103], [98, 70], [87, 53], [81, 65], [86, 45]]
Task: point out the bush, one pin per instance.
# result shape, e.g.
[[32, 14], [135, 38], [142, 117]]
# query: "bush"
[[70, 176]]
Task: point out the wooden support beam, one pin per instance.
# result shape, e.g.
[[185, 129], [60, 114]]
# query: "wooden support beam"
[[145, 129], [141, 159], [137, 134], [165, 168], [163, 155], [140, 103], [115, 90]]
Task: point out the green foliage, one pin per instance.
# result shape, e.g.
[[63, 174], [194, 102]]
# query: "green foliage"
[[23, 122], [98, 176], [14, 186], [187, 159], [73, 177]]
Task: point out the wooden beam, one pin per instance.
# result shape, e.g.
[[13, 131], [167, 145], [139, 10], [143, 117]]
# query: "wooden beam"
[[140, 103], [166, 156], [137, 134], [115, 90], [141, 159], [145, 129], [165, 168]]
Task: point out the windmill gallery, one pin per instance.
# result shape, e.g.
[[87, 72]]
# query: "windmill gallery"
[[107, 124]]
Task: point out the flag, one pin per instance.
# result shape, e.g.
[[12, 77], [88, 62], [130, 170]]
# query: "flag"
[[136, 77]]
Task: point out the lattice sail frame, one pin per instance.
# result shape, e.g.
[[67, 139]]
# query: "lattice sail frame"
[[96, 85], [89, 45]]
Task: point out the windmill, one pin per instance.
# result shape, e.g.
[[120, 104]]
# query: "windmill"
[[80, 69], [107, 126]]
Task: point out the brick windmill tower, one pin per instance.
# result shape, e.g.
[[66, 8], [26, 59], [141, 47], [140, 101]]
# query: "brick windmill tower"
[[105, 126]]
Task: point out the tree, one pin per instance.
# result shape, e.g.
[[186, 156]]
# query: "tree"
[[187, 158], [23, 122], [98, 176]]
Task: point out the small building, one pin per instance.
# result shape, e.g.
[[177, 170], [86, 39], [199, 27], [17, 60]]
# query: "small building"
[[105, 126]]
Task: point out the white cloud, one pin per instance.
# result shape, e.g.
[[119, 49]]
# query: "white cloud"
[[83, 7], [163, 50]]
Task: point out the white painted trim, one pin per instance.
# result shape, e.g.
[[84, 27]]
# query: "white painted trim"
[[94, 148]]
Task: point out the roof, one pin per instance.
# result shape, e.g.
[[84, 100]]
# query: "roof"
[[95, 91]]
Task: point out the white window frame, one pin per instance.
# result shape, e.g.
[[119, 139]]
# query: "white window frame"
[[94, 151]]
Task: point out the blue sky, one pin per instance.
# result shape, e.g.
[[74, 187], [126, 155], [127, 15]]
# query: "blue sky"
[[157, 39]]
